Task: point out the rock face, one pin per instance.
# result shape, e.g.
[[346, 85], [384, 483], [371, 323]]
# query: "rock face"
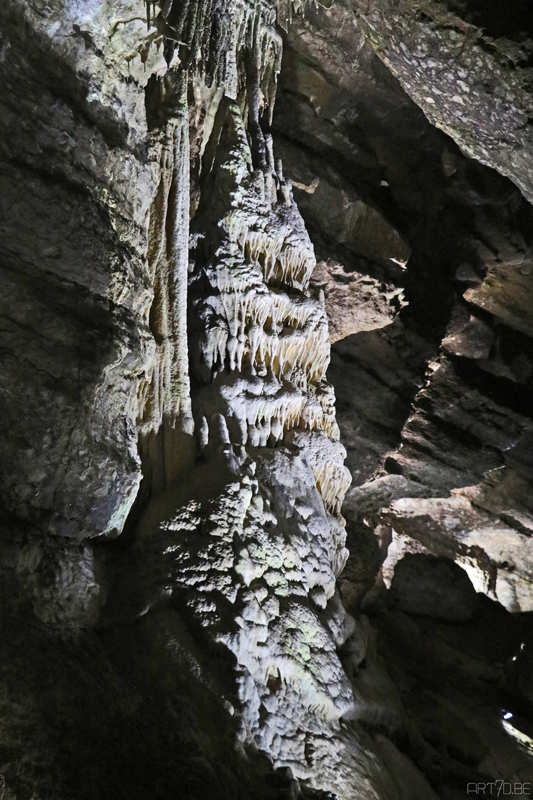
[[468, 66], [433, 587], [192, 599], [433, 408], [75, 282]]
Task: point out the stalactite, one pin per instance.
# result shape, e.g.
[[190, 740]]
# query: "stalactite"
[[166, 404], [217, 35], [261, 349]]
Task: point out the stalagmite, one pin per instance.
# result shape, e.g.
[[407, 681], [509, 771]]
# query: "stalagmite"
[[259, 350]]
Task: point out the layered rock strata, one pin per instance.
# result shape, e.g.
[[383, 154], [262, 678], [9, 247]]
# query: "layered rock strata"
[[437, 435]]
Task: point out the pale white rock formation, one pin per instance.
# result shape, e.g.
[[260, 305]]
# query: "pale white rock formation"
[[246, 546], [216, 33], [246, 554], [241, 550], [260, 344], [251, 544]]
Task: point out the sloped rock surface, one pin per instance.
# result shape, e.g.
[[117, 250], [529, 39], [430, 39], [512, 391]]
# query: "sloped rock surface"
[[468, 66]]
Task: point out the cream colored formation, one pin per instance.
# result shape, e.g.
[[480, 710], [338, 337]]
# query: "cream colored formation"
[[252, 536], [249, 539], [262, 348]]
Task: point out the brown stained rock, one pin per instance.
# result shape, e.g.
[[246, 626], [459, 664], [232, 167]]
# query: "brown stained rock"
[[353, 302], [474, 340], [376, 375], [497, 557], [331, 204], [507, 293], [344, 121], [506, 494]]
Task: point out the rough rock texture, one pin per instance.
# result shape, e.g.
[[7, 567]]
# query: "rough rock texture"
[[183, 606], [354, 302], [422, 420], [75, 283], [467, 64]]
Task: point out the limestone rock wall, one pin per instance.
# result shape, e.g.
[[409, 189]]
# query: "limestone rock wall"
[[76, 288], [178, 402], [184, 607], [433, 409], [468, 66]]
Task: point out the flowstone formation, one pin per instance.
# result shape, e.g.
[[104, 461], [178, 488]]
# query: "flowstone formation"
[[213, 624], [249, 543], [260, 342], [245, 548]]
